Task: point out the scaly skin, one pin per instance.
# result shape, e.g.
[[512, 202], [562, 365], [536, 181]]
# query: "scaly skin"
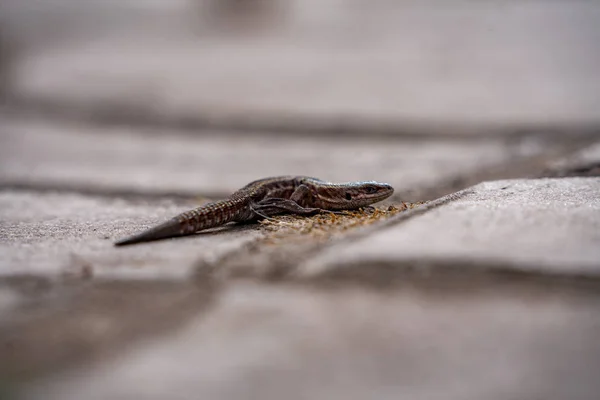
[[263, 198]]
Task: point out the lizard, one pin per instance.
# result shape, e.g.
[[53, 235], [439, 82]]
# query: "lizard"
[[263, 198]]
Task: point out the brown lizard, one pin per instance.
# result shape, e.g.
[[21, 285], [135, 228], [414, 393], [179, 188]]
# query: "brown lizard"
[[264, 198]]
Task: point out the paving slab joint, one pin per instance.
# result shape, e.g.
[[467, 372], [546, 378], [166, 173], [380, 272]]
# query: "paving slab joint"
[[257, 260], [448, 274], [523, 230], [306, 125]]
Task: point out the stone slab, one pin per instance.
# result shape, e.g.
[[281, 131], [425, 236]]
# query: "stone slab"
[[39, 153], [53, 323], [545, 226], [294, 342], [483, 62], [51, 234]]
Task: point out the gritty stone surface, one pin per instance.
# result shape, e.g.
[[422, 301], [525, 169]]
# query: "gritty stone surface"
[[274, 342], [546, 226], [156, 161], [492, 61], [57, 233]]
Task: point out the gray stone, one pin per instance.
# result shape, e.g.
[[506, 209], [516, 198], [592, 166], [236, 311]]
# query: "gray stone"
[[53, 323], [546, 226], [9, 299], [41, 153], [292, 342], [50, 233], [493, 61]]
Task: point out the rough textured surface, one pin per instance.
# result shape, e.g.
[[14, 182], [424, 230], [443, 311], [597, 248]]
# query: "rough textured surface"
[[468, 342], [76, 156], [548, 226], [73, 234], [492, 61]]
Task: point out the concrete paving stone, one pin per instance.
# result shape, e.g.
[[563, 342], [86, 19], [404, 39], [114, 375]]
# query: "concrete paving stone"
[[492, 61], [56, 323], [41, 153], [57, 233], [545, 226], [293, 342], [8, 299]]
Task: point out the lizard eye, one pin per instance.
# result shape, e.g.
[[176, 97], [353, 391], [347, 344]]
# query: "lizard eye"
[[370, 189], [348, 196]]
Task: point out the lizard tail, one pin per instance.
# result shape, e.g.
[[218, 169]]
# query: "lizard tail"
[[205, 217], [168, 229]]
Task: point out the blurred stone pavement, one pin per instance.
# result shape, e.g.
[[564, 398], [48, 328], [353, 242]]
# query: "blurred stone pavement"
[[484, 281]]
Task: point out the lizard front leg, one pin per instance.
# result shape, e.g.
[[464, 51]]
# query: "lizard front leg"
[[303, 196], [275, 206], [293, 205]]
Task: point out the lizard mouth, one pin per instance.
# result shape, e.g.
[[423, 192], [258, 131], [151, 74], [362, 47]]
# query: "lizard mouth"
[[381, 194], [384, 193]]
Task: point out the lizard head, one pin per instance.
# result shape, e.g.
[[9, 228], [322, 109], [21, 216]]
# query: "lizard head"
[[353, 195]]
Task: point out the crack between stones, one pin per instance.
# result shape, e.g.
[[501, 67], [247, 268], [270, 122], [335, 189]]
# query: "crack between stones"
[[234, 123]]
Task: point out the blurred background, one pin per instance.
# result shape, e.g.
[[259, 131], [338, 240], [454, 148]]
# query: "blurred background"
[[118, 114], [491, 60], [317, 72]]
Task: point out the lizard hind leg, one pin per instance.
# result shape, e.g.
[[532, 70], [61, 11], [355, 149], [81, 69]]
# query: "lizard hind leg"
[[261, 211]]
